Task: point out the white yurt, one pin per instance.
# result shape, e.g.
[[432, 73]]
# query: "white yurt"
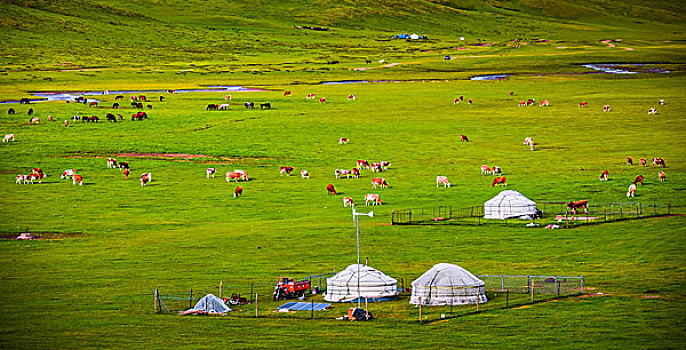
[[509, 204], [448, 284], [374, 284]]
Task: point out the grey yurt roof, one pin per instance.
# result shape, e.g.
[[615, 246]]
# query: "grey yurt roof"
[[373, 284], [448, 284]]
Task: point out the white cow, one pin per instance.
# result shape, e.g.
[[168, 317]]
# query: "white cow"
[[442, 180], [211, 172], [22, 179], [111, 163], [304, 174], [340, 172], [8, 138], [632, 189], [68, 173], [224, 107], [348, 202], [485, 169], [372, 197]]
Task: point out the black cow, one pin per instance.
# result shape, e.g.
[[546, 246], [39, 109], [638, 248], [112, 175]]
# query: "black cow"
[[30, 111], [115, 105], [11, 111], [212, 107], [266, 106], [24, 101], [161, 98], [111, 117], [250, 105], [119, 97]]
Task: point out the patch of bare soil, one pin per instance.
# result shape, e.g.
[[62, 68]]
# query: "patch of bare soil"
[[161, 155]]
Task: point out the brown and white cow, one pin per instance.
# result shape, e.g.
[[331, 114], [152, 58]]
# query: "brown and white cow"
[[639, 180], [36, 176], [372, 197], [210, 172], [384, 164], [583, 104], [311, 95], [77, 178], [500, 180], [304, 174], [629, 161], [380, 182], [238, 192], [377, 167], [464, 138], [348, 202], [22, 179], [659, 162], [544, 103], [285, 170], [68, 173], [606, 108], [528, 140], [605, 175], [351, 97], [355, 172], [485, 169], [8, 138], [575, 205], [322, 100], [34, 120], [631, 191], [442, 180], [235, 176], [111, 163], [330, 189], [362, 164], [343, 140], [148, 175], [126, 173], [652, 111], [340, 172], [496, 170], [644, 162], [242, 172], [521, 104], [144, 180], [123, 165], [661, 175], [661, 102]]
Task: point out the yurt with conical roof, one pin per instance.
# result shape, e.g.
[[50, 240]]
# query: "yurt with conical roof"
[[374, 285], [509, 204], [448, 284]]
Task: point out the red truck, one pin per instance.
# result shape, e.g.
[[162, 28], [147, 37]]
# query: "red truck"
[[288, 287]]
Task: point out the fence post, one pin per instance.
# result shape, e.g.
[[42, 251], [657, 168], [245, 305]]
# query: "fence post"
[[582, 284], [221, 289], [507, 298], [312, 310], [532, 291], [409, 221], [502, 283], [605, 214], [256, 315], [557, 290], [155, 294], [420, 309], [621, 210], [528, 284], [251, 290], [640, 209], [669, 207], [190, 300]]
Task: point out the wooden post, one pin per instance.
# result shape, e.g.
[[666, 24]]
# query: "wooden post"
[[312, 310], [420, 309], [366, 308], [532, 291], [154, 292], [507, 298], [256, 315], [221, 285], [669, 207], [477, 303]]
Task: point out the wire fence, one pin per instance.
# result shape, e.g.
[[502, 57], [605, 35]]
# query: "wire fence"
[[545, 212]]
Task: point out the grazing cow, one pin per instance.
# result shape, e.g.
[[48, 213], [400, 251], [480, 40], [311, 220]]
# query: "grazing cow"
[[266, 106], [659, 162], [212, 107], [521, 104], [227, 98], [287, 93], [311, 96], [93, 104], [496, 170], [629, 161], [34, 120], [638, 179], [485, 169], [22, 179], [304, 174], [330, 189], [149, 106], [652, 111], [144, 180], [110, 117], [66, 123], [11, 111], [8, 138], [661, 102], [500, 180], [68, 173], [348, 202], [544, 103], [238, 192], [223, 107], [362, 164], [50, 118], [464, 138], [355, 172], [456, 101], [351, 97], [139, 116], [119, 97], [210, 172], [661, 175], [123, 165], [343, 140], [285, 170], [532, 146], [511, 93], [30, 111], [606, 108], [576, 205], [470, 101], [583, 104], [605, 175], [372, 197], [632, 190], [461, 97], [161, 98], [250, 105], [111, 163], [143, 98], [235, 176], [385, 164], [322, 100], [379, 181], [77, 178], [37, 176], [148, 175], [528, 140], [531, 102], [340, 172], [126, 173], [38, 171], [242, 172], [377, 167], [644, 162], [442, 180]]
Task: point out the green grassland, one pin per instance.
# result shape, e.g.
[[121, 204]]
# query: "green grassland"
[[113, 241]]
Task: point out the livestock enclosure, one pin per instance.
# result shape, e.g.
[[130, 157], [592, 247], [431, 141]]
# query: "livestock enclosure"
[[551, 212]]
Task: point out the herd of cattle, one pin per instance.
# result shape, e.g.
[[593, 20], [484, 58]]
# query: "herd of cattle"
[[238, 175]]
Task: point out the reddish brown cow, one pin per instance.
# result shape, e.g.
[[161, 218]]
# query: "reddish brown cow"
[[639, 180], [287, 93], [379, 181], [500, 180], [77, 178], [629, 161], [464, 138], [643, 162], [605, 175], [238, 192], [285, 170], [661, 175], [573, 206], [659, 162], [330, 189]]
